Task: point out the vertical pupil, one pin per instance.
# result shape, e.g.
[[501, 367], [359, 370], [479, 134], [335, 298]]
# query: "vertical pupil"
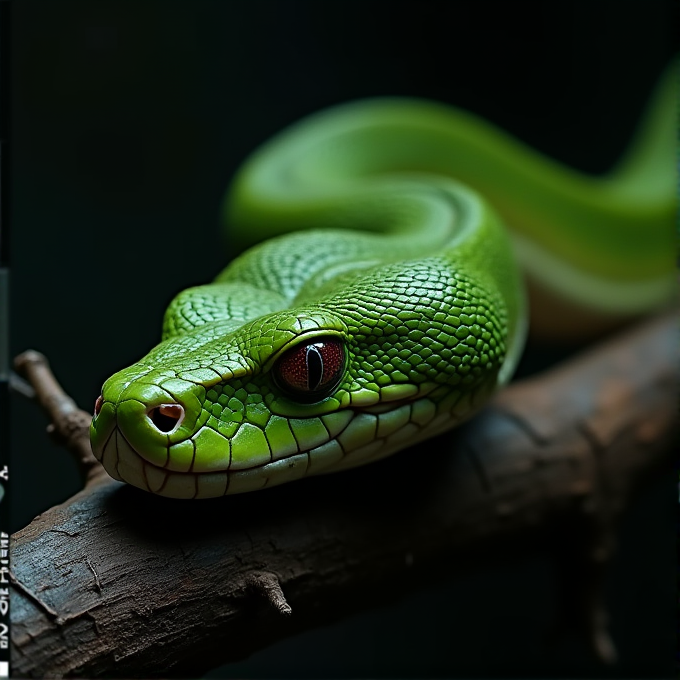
[[314, 367]]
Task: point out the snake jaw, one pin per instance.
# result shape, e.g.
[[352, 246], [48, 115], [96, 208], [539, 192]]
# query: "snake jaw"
[[206, 464]]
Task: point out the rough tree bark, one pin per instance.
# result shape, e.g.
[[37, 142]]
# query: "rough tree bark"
[[117, 582]]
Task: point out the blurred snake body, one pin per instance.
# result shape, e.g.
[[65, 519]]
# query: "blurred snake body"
[[386, 301]]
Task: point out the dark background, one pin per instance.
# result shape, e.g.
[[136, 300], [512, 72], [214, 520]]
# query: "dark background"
[[128, 119]]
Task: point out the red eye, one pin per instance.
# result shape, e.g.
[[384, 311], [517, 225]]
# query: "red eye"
[[98, 405], [311, 371]]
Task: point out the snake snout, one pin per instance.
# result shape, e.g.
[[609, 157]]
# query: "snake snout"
[[166, 417]]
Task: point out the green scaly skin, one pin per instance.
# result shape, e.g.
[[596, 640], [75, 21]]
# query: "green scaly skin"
[[399, 252]]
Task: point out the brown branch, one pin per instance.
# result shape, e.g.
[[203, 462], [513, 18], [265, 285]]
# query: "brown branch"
[[117, 582], [70, 426], [268, 586]]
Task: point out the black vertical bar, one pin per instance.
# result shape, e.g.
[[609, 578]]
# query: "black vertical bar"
[[4, 334]]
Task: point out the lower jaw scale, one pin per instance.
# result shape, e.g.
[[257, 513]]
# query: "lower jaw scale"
[[368, 437]]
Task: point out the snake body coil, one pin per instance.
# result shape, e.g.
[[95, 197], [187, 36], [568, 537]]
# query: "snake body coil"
[[394, 307]]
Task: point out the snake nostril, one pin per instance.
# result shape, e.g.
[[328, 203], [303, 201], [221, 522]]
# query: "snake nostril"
[[166, 417]]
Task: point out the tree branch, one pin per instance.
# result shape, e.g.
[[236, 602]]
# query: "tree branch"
[[119, 582], [70, 426]]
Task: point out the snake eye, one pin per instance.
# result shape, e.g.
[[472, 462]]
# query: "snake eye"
[[311, 371], [98, 405]]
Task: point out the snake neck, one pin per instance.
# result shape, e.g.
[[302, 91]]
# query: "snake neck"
[[603, 245], [416, 218]]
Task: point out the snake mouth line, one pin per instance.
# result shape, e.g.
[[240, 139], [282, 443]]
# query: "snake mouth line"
[[124, 463], [366, 437]]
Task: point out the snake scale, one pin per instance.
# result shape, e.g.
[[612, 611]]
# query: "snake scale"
[[386, 300]]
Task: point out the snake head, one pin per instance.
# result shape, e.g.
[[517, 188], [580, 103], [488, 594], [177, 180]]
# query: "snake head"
[[228, 411], [294, 393]]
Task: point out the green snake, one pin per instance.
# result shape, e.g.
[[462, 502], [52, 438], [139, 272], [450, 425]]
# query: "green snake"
[[386, 300]]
